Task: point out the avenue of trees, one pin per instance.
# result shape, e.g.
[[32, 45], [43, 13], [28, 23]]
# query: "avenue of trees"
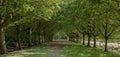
[[25, 23]]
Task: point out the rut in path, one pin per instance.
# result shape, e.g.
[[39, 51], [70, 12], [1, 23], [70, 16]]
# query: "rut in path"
[[55, 48]]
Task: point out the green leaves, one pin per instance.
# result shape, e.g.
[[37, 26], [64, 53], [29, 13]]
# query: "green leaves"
[[86, 16]]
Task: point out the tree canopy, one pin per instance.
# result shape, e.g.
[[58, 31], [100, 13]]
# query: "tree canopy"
[[40, 20]]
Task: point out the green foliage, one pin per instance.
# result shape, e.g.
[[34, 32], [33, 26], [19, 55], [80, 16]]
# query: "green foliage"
[[47, 17]]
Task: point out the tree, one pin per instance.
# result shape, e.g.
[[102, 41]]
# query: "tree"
[[109, 19], [9, 9]]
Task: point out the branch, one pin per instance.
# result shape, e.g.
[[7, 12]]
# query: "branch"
[[101, 31], [4, 22], [112, 31], [1, 2]]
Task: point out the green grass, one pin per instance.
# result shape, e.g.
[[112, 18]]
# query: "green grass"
[[70, 50], [81, 51], [33, 52]]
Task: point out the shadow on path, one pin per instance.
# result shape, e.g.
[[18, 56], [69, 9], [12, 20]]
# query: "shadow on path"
[[55, 49]]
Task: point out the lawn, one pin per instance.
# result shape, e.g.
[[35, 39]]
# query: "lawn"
[[32, 52], [63, 49], [82, 51]]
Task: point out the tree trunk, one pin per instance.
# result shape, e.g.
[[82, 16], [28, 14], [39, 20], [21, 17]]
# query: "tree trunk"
[[39, 39], [18, 37], [83, 39], [2, 42], [80, 40], [30, 37], [88, 44], [94, 41], [39, 36], [43, 39], [106, 48]]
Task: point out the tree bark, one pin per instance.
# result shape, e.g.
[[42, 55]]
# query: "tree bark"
[[39, 39], [3, 47], [1, 2], [43, 39], [83, 39], [80, 40], [39, 36], [30, 37], [106, 48], [94, 41], [18, 38], [88, 44]]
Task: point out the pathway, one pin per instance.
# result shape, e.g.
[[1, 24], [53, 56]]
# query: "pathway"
[[52, 49], [55, 48]]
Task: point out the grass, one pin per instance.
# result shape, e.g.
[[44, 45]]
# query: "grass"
[[81, 51], [33, 52], [70, 49]]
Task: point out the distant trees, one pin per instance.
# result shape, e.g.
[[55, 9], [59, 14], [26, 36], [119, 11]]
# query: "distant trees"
[[93, 18], [109, 19]]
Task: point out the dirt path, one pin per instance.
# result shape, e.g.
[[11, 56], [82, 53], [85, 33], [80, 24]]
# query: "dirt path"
[[55, 48]]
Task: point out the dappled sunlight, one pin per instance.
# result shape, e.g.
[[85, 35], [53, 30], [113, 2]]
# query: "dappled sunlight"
[[35, 51], [16, 56], [81, 51], [27, 53], [61, 49], [62, 55], [60, 28]]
